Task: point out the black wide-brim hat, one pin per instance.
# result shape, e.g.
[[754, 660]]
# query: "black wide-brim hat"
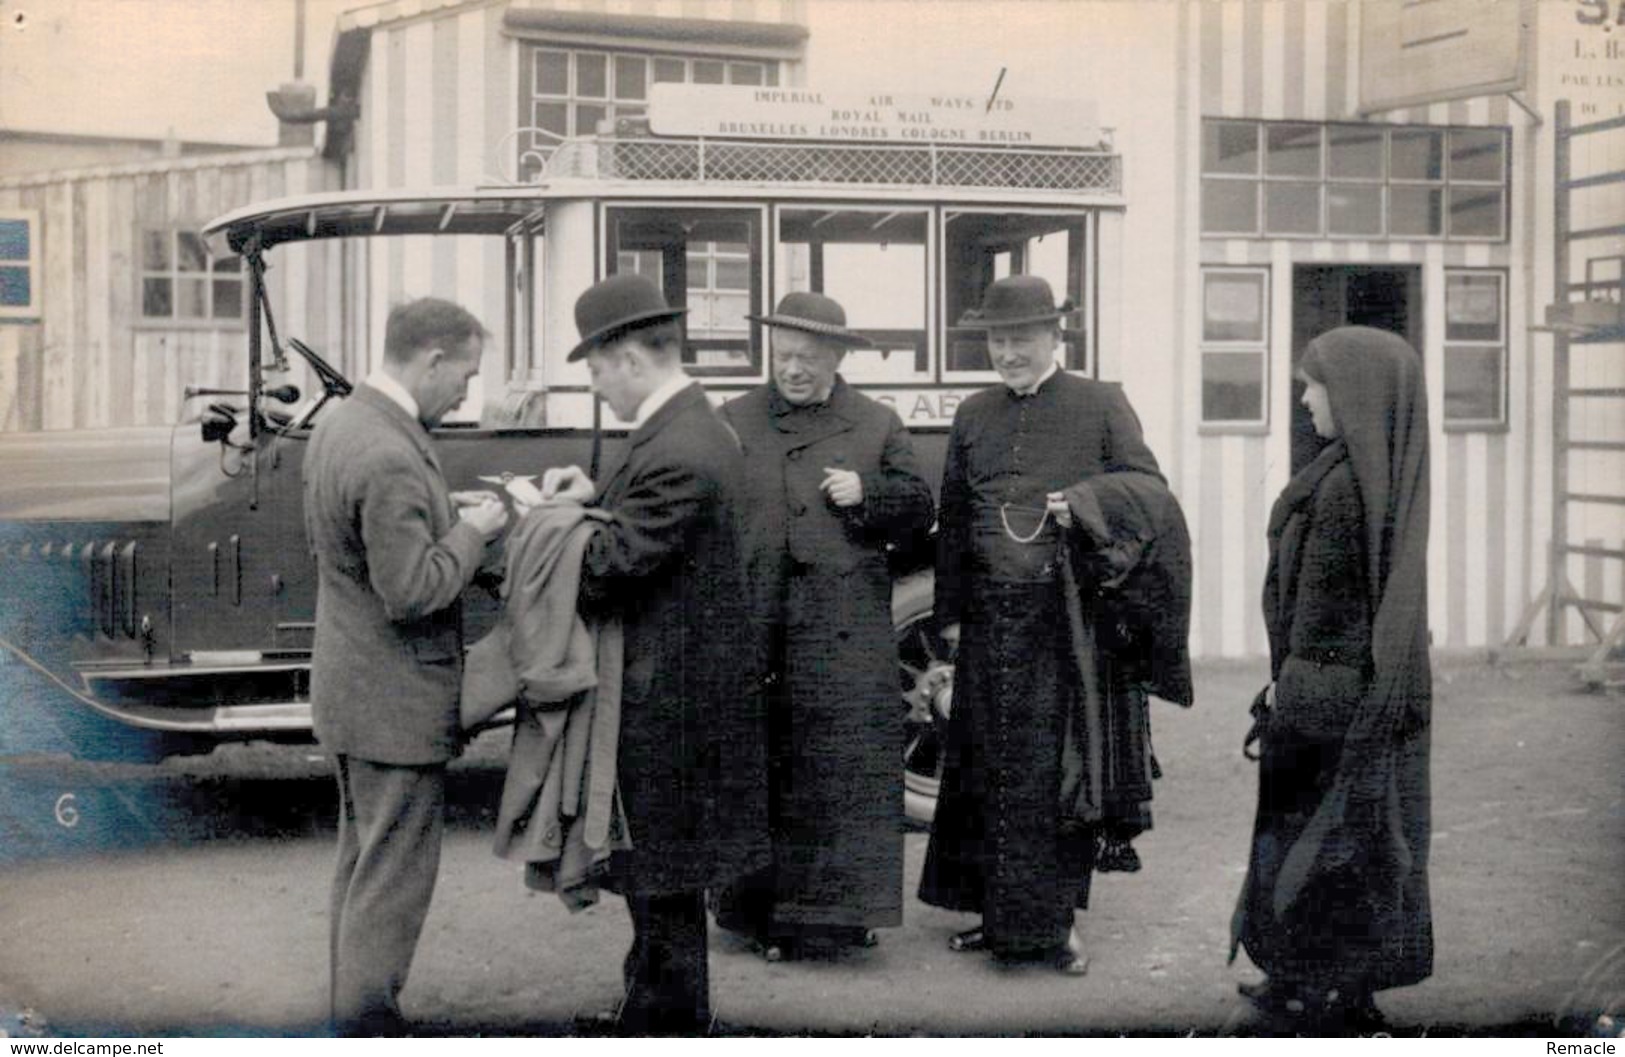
[[614, 306], [813, 314], [1016, 301]]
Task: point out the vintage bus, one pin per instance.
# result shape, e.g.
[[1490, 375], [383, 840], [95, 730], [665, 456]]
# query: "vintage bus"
[[158, 579]]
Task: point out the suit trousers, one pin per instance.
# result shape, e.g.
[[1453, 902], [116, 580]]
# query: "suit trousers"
[[668, 987], [391, 819]]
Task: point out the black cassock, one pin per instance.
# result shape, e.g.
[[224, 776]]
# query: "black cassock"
[[1001, 844]]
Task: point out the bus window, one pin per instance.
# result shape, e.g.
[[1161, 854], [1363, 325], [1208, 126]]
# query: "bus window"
[[874, 262], [981, 247], [709, 260]]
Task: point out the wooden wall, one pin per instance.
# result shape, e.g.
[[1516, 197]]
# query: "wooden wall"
[[90, 360]]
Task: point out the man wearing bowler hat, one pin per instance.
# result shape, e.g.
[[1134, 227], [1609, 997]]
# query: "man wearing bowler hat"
[[831, 485], [692, 760], [1019, 456]]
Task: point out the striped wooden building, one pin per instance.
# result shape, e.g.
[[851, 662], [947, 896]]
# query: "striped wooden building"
[[1435, 220], [477, 92], [1265, 198]]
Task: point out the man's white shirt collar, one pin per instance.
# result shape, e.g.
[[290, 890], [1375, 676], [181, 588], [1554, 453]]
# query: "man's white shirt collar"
[[386, 384], [659, 398], [1046, 376]]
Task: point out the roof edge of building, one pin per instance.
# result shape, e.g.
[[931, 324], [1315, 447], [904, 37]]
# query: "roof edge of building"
[[185, 163]]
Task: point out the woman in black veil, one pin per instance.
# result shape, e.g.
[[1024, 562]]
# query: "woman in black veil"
[[1335, 906]]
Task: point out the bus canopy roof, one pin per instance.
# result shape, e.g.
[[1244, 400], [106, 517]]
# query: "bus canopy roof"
[[350, 214]]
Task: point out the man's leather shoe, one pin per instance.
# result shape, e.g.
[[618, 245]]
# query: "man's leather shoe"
[[1353, 1010], [1254, 991], [1273, 996], [1073, 959], [380, 1024], [970, 940], [599, 1022]]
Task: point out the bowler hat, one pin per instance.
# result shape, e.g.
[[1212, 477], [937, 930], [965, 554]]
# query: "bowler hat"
[[1016, 301], [814, 314], [615, 305]]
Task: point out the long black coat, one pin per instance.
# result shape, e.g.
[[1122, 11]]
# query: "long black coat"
[[1318, 613], [1000, 845], [821, 595], [1337, 888], [692, 761]]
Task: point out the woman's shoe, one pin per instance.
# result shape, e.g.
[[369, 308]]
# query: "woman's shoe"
[[969, 940]]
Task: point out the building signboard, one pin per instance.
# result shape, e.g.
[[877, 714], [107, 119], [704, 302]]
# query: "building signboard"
[[1588, 49], [1416, 53], [748, 112]]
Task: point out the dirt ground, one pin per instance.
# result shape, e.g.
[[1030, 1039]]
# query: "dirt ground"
[[190, 897]]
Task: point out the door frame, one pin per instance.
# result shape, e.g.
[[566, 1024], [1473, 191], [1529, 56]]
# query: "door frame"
[[1319, 307]]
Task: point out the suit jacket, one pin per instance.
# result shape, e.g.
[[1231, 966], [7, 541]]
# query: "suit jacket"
[[692, 764], [392, 560]]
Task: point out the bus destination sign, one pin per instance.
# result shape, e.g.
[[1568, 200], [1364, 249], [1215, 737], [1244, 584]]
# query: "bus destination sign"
[[749, 112]]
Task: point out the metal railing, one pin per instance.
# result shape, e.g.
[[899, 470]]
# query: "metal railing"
[[1096, 171]]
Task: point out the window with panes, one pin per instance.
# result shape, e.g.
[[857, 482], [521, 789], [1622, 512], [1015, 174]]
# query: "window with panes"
[[1475, 349], [1353, 181], [709, 260], [182, 283], [19, 264], [568, 91], [1235, 347]]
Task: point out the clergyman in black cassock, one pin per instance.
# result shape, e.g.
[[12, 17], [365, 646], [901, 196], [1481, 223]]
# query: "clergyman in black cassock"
[[1002, 844], [831, 482]]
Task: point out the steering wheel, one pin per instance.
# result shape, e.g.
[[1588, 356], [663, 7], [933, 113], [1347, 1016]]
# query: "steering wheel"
[[333, 383]]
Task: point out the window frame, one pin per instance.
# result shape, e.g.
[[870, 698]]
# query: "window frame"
[[760, 263], [1446, 184], [1261, 346], [533, 141], [174, 275], [1084, 305], [33, 310], [933, 267], [1502, 346]]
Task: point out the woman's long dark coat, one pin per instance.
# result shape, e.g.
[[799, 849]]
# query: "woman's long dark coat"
[[1337, 883], [821, 597]]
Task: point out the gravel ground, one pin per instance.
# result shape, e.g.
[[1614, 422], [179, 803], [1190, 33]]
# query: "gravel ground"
[[189, 897]]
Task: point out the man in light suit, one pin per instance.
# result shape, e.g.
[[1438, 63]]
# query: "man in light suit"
[[692, 762], [393, 555]]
